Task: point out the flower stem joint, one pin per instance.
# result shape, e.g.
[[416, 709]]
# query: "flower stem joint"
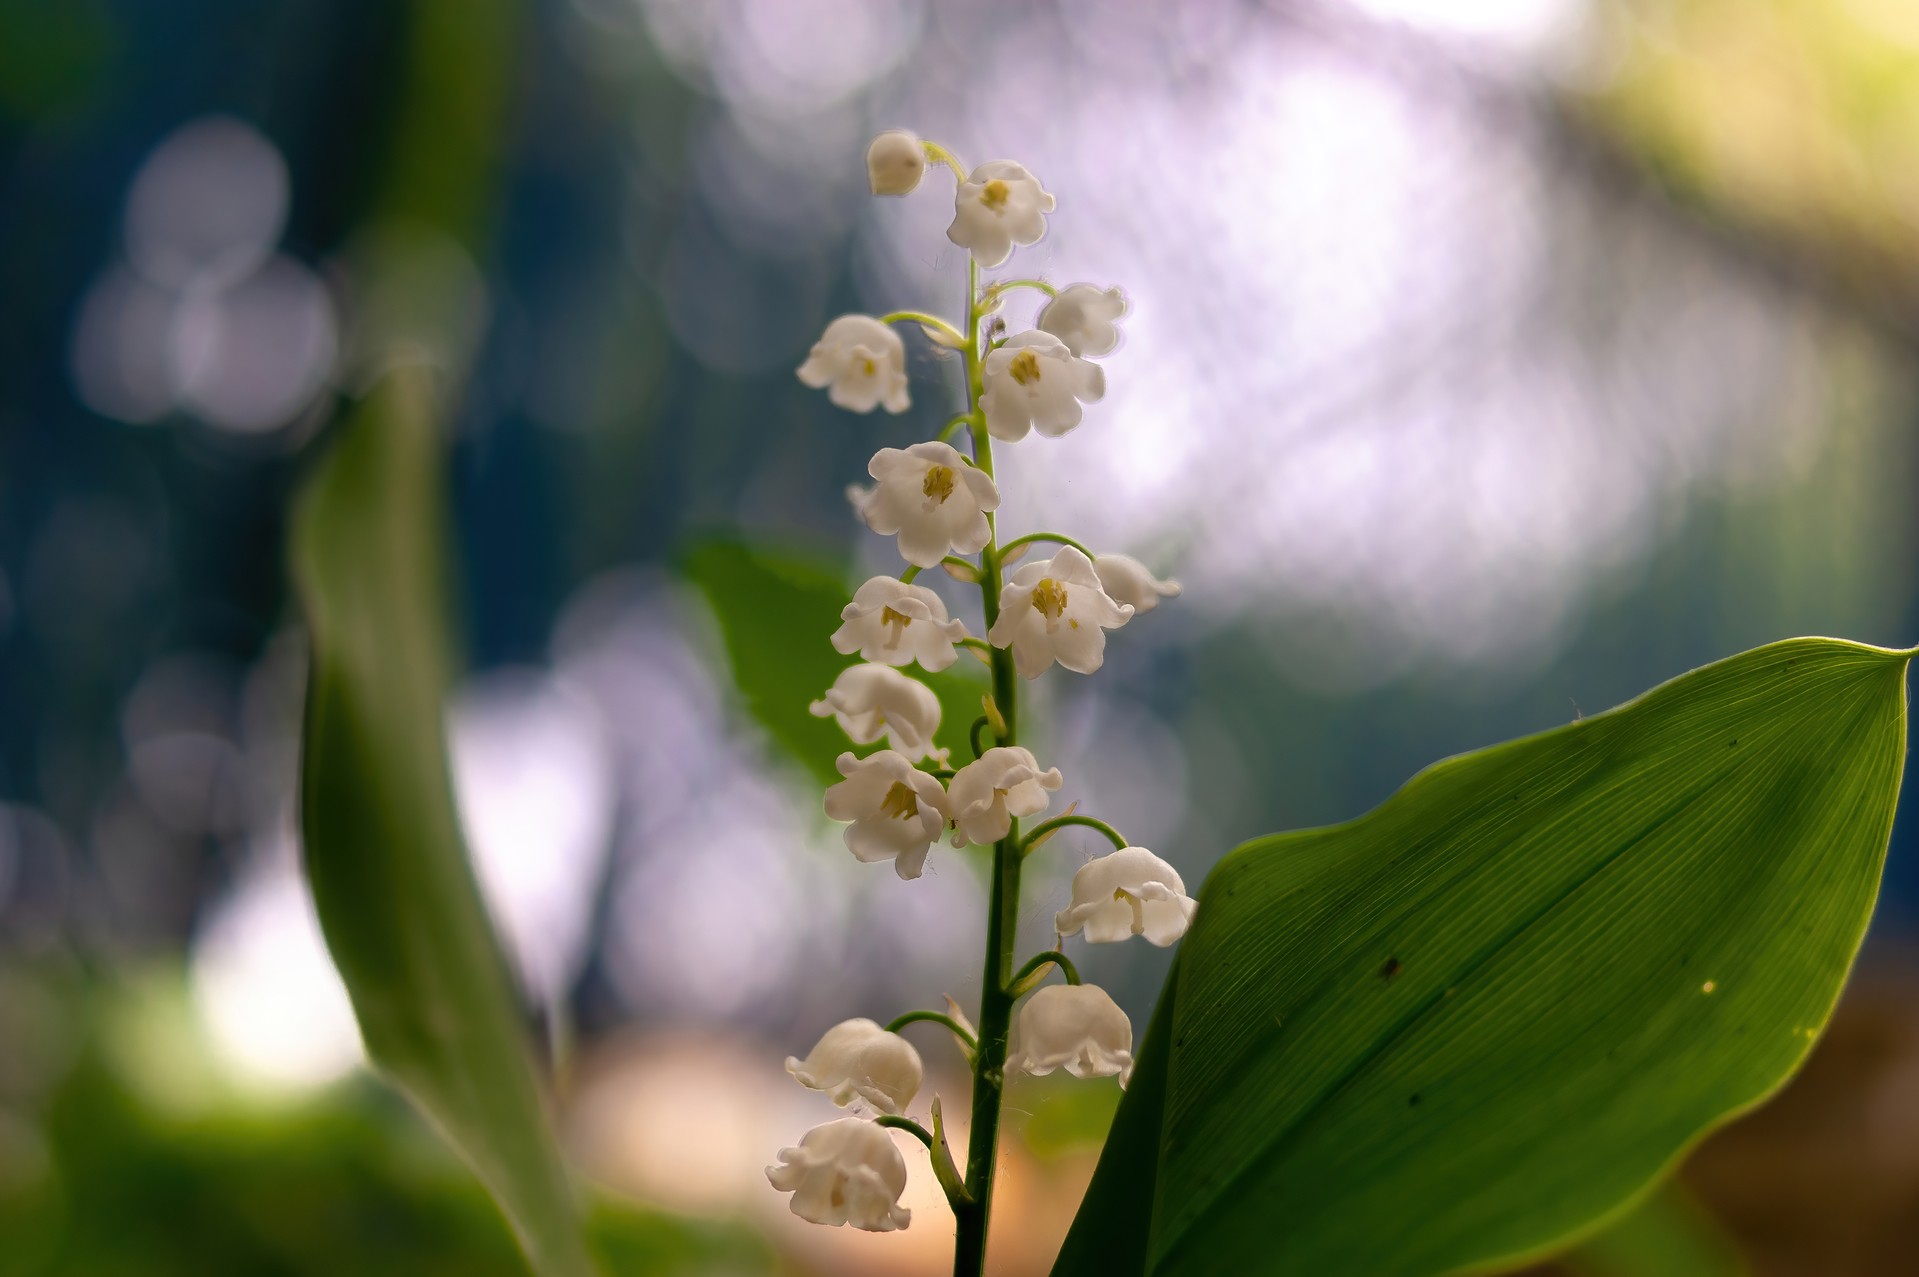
[[939, 500]]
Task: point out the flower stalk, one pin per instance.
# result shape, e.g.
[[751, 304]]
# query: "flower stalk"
[[900, 799]]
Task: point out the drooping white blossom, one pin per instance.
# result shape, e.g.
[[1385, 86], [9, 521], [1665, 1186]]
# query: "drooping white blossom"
[[999, 205], [857, 1059], [895, 162], [845, 1172], [1130, 892], [1056, 610], [932, 497], [1127, 580], [861, 362], [871, 701], [894, 623], [1085, 317], [897, 810], [1034, 382], [1077, 1027], [986, 795]]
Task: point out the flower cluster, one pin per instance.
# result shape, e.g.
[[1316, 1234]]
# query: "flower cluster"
[[900, 800]]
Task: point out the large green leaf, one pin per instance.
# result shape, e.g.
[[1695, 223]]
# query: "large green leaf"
[[1479, 1022], [396, 896], [784, 664]]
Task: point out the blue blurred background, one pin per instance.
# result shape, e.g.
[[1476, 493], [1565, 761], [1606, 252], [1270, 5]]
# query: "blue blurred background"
[[1488, 363]]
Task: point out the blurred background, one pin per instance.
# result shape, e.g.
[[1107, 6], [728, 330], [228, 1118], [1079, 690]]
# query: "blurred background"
[[1489, 362]]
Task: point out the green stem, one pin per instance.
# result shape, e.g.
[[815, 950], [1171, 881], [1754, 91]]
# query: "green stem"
[[940, 155], [1041, 830], [996, 1005], [1031, 537], [952, 427], [906, 1124], [972, 737], [934, 1017], [1006, 285], [1052, 957], [906, 577], [925, 320]]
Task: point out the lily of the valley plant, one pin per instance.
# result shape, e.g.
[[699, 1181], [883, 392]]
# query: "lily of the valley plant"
[[901, 800]]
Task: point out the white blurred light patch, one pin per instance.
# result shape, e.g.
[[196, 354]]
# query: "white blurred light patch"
[[118, 357], [207, 206], [249, 357], [264, 986], [536, 794], [1358, 389], [204, 318], [783, 55]]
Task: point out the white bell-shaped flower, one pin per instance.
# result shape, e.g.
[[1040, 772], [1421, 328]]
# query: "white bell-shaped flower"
[[871, 701], [846, 1172], [1034, 382], [857, 1059], [895, 623], [1076, 1027], [1127, 580], [861, 362], [1056, 610], [998, 206], [1085, 317], [985, 795], [1130, 892], [932, 497], [897, 810], [895, 162]]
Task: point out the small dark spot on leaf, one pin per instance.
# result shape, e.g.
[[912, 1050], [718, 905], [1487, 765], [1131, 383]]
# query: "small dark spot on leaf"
[[1413, 1098], [1179, 1041], [1389, 970], [1735, 741]]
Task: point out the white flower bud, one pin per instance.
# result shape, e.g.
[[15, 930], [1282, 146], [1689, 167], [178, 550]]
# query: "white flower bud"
[[897, 810], [871, 701], [857, 1059], [1056, 610], [894, 623], [1126, 580], [1076, 1027], [932, 497], [1085, 317], [986, 795], [862, 361], [1130, 892], [895, 162], [846, 1172], [998, 206], [1034, 382]]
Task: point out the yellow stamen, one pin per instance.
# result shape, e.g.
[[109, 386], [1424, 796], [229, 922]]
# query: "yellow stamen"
[[871, 368], [1025, 368], [896, 622], [939, 483], [1049, 600], [995, 194], [900, 803]]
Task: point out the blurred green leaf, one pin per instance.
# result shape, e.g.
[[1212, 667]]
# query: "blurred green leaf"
[[124, 1185], [782, 666], [396, 896], [1472, 1024], [1666, 1235]]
